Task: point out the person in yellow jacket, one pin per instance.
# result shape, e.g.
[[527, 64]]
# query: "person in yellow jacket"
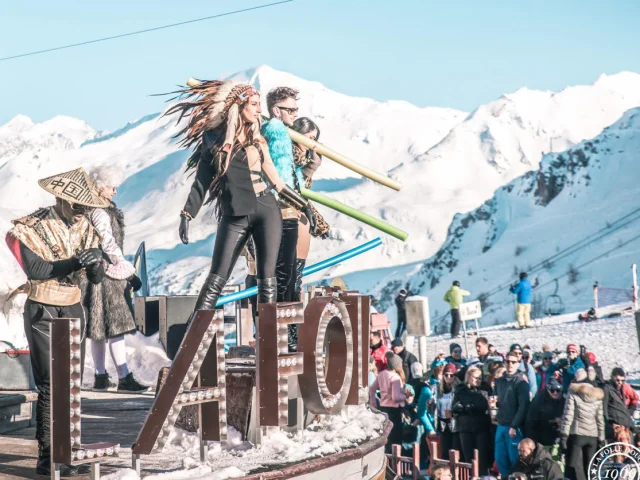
[[454, 297]]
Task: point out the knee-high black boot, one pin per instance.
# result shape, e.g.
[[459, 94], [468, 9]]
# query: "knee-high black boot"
[[300, 263], [267, 290], [210, 292]]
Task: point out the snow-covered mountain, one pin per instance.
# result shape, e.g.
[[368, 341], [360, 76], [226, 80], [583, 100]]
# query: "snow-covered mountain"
[[467, 157], [576, 219]]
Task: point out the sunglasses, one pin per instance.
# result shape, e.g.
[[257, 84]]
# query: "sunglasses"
[[512, 362], [547, 358], [289, 110], [79, 208], [449, 375], [554, 389]]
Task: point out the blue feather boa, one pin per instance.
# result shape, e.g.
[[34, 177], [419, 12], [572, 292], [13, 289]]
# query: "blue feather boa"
[[281, 151]]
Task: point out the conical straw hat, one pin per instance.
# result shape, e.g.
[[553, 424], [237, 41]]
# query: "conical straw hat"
[[75, 187]]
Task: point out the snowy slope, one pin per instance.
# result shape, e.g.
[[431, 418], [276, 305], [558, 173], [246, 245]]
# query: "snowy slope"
[[386, 136], [576, 220]]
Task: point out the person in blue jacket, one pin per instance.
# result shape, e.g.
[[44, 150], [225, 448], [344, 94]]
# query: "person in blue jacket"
[[523, 310], [570, 366]]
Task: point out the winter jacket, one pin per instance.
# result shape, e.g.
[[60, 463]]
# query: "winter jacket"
[[569, 373], [630, 396], [530, 373], [454, 297], [402, 308], [583, 412], [391, 390], [543, 411], [542, 466], [523, 290], [377, 352], [423, 414], [543, 376], [615, 410], [460, 364], [513, 400], [470, 408], [408, 359], [109, 304]]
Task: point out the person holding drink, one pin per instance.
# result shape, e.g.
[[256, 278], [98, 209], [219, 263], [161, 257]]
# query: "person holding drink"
[[446, 422]]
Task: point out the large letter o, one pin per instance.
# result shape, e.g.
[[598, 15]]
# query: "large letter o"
[[326, 380]]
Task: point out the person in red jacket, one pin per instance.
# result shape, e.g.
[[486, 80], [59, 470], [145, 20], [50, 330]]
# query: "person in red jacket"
[[378, 350]]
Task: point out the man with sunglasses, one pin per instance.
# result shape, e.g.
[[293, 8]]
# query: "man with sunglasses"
[[545, 416], [513, 403], [616, 414], [527, 369], [53, 246], [283, 110]]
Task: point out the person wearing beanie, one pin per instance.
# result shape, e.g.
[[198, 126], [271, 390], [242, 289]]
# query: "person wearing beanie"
[[391, 385], [408, 358], [569, 369], [545, 370], [513, 403], [582, 430], [523, 308], [618, 418], [454, 297], [544, 418], [455, 356], [446, 390]]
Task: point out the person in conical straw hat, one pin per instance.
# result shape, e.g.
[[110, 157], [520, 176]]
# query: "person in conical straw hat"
[[54, 245], [234, 168]]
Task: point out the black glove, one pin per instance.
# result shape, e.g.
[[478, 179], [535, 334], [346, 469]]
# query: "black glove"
[[602, 444], [90, 258], [292, 197], [563, 443], [135, 282], [313, 224], [324, 236], [184, 228], [563, 363]]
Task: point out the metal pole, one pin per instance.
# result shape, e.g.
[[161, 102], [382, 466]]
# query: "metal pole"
[[423, 353], [466, 347], [635, 288], [95, 471], [135, 463], [595, 298]]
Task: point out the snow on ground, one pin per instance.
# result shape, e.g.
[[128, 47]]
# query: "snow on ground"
[[331, 434], [613, 340]]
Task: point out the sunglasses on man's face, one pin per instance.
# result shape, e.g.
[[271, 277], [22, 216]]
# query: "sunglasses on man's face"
[[554, 389], [457, 351], [289, 110], [547, 358], [79, 208]]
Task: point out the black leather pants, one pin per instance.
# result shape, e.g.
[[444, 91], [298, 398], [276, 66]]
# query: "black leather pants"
[[265, 226], [286, 265]]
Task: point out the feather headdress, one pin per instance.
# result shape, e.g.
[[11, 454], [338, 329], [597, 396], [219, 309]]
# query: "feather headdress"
[[207, 105]]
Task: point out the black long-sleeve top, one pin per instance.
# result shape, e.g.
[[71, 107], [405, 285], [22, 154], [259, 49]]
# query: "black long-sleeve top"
[[66, 271]]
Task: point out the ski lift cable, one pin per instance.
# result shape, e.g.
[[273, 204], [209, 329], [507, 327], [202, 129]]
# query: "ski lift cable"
[[573, 248], [588, 262], [147, 30]]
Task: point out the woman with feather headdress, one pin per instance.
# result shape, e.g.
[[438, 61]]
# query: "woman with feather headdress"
[[233, 167]]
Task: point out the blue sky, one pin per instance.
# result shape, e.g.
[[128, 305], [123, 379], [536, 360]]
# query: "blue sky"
[[450, 54]]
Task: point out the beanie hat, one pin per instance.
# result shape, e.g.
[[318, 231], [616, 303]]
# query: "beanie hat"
[[438, 362], [592, 357], [416, 370], [554, 383], [572, 347], [450, 368], [453, 346], [394, 362], [581, 375], [515, 346], [397, 342]]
